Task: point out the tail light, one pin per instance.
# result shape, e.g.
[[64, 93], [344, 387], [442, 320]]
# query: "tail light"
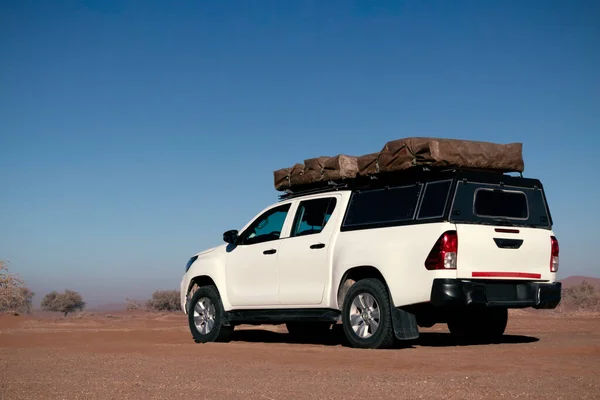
[[444, 251], [554, 256]]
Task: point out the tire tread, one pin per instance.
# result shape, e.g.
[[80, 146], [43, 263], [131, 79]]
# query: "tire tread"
[[220, 332], [384, 337]]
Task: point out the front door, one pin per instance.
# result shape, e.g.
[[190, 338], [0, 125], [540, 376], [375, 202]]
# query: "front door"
[[304, 256], [252, 263]]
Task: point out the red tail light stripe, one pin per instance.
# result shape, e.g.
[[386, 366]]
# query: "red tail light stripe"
[[505, 275]]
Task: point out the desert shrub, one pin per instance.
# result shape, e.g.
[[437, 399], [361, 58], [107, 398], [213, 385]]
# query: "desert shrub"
[[584, 296], [164, 300], [26, 298], [66, 302], [15, 297], [135, 304]]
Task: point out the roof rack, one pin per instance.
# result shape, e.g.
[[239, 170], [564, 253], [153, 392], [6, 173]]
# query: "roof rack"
[[417, 174], [330, 187]]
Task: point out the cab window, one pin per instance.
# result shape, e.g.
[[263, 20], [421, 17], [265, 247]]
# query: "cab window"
[[312, 216], [267, 227]]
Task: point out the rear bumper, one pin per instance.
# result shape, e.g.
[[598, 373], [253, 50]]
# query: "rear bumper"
[[510, 294]]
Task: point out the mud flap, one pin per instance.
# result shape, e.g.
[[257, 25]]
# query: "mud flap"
[[405, 324]]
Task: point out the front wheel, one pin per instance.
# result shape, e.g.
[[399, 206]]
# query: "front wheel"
[[206, 316], [367, 317]]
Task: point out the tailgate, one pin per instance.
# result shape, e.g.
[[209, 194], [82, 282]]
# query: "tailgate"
[[497, 252], [504, 232]]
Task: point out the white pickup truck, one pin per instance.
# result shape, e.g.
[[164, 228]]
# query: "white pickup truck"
[[382, 259]]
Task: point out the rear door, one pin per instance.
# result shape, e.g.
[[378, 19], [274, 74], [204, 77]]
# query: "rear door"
[[304, 256], [504, 232]]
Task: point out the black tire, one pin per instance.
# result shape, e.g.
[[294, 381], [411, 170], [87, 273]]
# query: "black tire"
[[383, 336], [219, 332], [479, 325], [308, 330]]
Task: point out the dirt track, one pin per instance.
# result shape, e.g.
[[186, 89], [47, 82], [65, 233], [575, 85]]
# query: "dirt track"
[[131, 356]]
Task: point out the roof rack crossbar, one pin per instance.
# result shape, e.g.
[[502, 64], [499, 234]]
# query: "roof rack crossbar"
[[331, 186]]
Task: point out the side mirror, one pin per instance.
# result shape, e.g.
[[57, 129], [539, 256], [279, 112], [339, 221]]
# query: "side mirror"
[[230, 236]]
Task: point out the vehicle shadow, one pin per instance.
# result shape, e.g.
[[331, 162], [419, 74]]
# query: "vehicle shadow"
[[264, 336], [443, 339], [336, 338]]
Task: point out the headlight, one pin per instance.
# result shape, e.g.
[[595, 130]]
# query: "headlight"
[[190, 262]]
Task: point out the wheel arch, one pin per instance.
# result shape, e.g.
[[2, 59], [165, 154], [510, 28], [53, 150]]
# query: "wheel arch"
[[353, 275], [200, 281], [404, 323]]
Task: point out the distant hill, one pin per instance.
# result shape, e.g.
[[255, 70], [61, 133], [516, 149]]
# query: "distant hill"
[[577, 297], [577, 279]]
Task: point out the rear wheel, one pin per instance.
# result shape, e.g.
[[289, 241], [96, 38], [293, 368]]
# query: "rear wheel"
[[367, 318], [206, 316], [486, 325]]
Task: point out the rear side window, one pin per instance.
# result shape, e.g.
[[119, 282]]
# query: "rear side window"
[[434, 200], [382, 206], [500, 203]]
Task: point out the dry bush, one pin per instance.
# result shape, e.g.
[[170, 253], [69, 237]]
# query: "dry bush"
[[164, 300], [66, 302], [584, 296], [135, 305], [15, 297]]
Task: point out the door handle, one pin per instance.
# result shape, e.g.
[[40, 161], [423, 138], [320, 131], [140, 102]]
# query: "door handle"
[[508, 243], [317, 246], [272, 251]]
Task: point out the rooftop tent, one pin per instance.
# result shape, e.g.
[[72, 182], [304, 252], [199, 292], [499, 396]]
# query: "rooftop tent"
[[315, 170], [404, 154]]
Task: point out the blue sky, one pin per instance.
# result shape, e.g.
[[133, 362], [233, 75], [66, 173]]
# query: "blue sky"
[[132, 134]]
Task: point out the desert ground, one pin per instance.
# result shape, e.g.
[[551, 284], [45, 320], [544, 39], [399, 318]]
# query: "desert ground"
[[144, 355]]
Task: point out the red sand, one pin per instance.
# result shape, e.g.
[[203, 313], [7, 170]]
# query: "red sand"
[[129, 355]]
